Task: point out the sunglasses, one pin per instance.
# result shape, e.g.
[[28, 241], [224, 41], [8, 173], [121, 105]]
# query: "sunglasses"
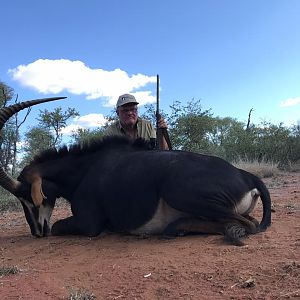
[[128, 110]]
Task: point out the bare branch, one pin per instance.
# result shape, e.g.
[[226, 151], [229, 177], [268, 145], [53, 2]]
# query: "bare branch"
[[249, 117]]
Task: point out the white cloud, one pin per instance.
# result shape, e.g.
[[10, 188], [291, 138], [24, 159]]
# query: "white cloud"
[[70, 129], [55, 76], [290, 102], [91, 120], [86, 121]]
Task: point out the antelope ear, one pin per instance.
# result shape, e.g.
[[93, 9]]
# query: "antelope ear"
[[37, 194]]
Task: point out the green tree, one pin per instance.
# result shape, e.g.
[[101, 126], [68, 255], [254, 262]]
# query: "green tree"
[[276, 142], [85, 135], [48, 133], [6, 94], [56, 120], [10, 133], [189, 126], [37, 139], [239, 142], [294, 143], [219, 136], [7, 136]]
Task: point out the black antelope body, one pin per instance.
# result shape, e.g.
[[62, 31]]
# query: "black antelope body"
[[118, 185]]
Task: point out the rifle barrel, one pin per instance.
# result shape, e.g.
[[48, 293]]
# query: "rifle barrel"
[[157, 100]]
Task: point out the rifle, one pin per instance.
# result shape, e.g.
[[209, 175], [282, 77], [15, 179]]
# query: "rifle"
[[160, 132]]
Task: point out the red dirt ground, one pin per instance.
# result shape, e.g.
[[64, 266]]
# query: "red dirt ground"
[[113, 266]]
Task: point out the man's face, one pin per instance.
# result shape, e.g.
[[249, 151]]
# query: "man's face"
[[128, 114]]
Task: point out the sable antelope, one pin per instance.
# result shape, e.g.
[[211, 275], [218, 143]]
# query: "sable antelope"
[[122, 186]]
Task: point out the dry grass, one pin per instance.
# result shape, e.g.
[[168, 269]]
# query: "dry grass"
[[292, 167], [9, 270], [8, 202], [81, 294], [260, 169]]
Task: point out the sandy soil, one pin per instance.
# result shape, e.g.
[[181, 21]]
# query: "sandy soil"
[[113, 266]]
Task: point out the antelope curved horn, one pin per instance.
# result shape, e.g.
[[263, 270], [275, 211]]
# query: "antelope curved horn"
[[8, 111], [6, 181]]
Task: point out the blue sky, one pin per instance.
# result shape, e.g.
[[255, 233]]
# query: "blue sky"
[[234, 55]]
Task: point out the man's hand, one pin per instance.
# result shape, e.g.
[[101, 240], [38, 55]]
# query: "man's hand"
[[162, 123]]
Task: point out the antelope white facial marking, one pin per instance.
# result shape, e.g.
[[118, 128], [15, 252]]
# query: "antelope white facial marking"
[[248, 202], [44, 214], [40, 220]]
